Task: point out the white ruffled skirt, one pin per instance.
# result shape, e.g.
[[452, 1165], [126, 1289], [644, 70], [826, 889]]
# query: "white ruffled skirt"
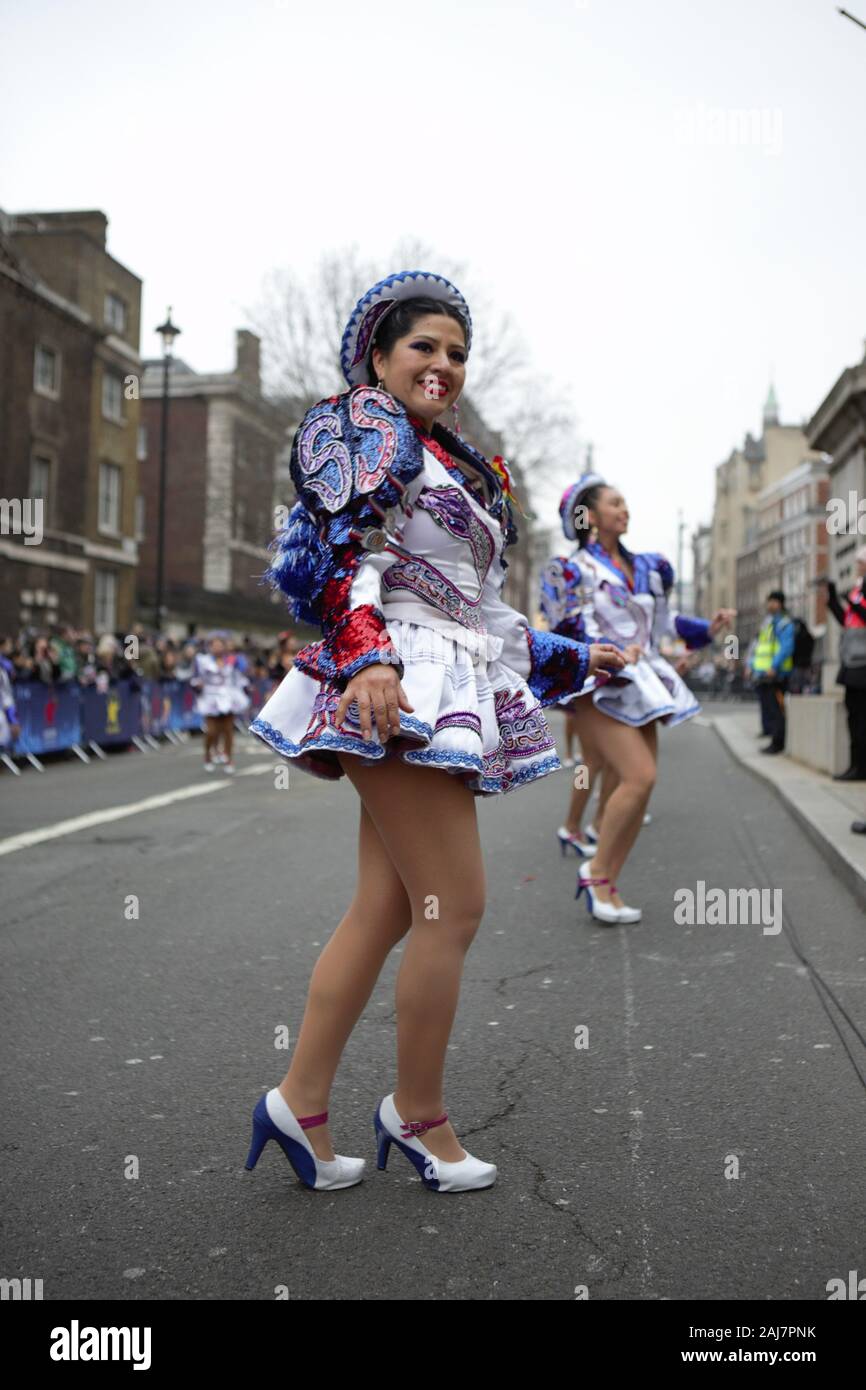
[[474, 717], [650, 689], [230, 701]]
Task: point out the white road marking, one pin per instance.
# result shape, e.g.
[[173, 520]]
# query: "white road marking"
[[69, 827]]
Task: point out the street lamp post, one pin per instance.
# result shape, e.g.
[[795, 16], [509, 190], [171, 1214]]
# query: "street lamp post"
[[168, 332]]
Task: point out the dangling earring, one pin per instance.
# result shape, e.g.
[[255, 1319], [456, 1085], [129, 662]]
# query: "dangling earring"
[[381, 385], [456, 415], [593, 533]]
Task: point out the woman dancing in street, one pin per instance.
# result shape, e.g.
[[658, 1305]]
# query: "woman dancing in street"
[[426, 690], [222, 695], [605, 592]]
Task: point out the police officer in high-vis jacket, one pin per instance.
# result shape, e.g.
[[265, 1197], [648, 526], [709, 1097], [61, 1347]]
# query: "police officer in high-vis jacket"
[[771, 663]]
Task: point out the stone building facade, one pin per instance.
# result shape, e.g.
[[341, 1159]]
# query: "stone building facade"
[[740, 480], [786, 548]]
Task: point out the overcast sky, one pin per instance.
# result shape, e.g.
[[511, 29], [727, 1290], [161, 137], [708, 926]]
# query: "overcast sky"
[[660, 256]]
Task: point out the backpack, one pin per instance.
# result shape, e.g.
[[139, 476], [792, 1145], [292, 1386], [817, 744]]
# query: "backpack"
[[804, 644]]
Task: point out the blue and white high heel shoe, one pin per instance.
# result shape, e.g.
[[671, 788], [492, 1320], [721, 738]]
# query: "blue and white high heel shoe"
[[436, 1174], [579, 846], [273, 1119], [603, 912]]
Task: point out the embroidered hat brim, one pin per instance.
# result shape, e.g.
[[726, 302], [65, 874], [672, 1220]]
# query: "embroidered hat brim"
[[570, 499], [374, 305]]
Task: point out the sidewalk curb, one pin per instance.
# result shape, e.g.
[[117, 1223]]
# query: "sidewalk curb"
[[816, 811]]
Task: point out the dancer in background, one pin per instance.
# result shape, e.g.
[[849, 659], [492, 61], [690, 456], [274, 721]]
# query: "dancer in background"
[[561, 602], [621, 597], [222, 695]]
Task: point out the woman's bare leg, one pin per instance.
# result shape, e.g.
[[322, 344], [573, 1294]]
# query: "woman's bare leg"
[[609, 781], [591, 759], [427, 822], [211, 736], [569, 733], [629, 752], [228, 734], [343, 979]]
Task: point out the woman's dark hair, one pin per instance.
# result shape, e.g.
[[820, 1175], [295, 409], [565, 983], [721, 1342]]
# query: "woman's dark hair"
[[401, 319], [588, 499]]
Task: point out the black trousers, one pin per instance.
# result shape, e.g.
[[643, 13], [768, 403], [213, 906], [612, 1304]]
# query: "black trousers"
[[855, 704], [772, 697]]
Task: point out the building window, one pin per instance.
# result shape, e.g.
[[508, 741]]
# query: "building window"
[[109, 498], [46, 372], [112, 396], [104, 601], [139, 517], [115, 312], [40, 482], [142, 443]]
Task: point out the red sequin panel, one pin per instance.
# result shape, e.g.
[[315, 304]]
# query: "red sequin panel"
[[358, 633]]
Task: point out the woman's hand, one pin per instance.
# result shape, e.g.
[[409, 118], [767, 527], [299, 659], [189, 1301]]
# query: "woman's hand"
[[377, 690], [633, 653], [604, 656], [723, 618]]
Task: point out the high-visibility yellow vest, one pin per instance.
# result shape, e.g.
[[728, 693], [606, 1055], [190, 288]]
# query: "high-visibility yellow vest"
[[766, 647]]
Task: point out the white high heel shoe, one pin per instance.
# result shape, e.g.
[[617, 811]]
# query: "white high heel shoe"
[[626, 914], [566, 838], [436, 1174], [273, 1119], [603, 912]]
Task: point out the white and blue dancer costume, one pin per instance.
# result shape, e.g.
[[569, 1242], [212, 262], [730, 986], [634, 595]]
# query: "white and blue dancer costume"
[[586, 597], [396, 558], [223, 688]]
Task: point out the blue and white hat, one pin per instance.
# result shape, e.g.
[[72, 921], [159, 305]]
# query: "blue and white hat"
[[571, 497], [375, 304]]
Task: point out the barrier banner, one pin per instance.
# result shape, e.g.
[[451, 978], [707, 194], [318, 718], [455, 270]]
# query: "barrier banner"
[[56, 717], [190, 717], [112, 716], [49, 717], [178, 700], [259, 691], [155, 709]]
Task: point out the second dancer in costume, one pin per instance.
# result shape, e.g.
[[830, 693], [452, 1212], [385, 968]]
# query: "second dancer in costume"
[[602, 591]]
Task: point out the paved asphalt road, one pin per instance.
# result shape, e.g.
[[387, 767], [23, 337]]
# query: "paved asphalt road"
[[154, 1038]]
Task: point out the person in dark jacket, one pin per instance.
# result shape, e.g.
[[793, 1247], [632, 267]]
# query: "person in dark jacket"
[[850, 611]]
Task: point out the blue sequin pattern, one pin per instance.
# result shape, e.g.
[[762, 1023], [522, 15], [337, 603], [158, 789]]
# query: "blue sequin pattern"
[[347, 452]]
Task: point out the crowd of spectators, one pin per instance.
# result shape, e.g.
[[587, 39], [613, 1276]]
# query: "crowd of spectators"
[[62, 654]]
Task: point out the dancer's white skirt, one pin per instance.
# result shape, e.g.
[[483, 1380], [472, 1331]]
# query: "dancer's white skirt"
[[647, 689], [473, 716]]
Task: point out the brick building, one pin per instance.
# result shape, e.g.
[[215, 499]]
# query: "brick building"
[[69, 365], [225, 441]]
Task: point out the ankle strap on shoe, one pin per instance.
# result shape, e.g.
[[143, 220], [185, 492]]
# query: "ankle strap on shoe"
[[310, 1121], [587, 882], [416, 1127]]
